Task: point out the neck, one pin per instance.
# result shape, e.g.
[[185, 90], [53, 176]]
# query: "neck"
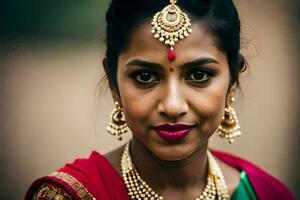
[[161, 174]]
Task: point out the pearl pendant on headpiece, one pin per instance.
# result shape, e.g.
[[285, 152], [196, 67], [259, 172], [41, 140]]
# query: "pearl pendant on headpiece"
[[170, 25]]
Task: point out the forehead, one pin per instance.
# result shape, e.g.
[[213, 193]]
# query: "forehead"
[[141, 43]]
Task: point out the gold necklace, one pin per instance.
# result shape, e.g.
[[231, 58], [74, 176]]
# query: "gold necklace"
[[138, 189]]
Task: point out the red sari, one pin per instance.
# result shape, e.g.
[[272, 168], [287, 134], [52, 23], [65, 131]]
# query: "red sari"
[[95, 178]]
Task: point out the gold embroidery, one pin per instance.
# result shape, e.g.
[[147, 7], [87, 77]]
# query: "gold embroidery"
[[80, 190], [50, 192], [43, 192]]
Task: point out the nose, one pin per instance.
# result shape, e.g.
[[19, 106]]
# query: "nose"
[[172, 103]]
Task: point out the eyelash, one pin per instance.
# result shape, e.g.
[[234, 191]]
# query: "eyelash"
[[206, 73], [154, 77]]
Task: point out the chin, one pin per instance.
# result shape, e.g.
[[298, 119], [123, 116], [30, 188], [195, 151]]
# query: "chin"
[[174, 153], [171, 158]]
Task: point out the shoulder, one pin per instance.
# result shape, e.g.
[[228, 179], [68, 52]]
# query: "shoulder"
[[264, 184], [81, 179], [58, 185], [50, 191]]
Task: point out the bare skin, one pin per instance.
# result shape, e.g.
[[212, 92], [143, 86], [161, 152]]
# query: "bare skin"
[[154, 91]]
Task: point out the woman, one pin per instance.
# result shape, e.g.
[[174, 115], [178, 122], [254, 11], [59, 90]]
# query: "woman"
[[173, 68]]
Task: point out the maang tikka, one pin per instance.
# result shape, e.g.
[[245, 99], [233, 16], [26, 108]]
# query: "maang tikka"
[[170, 25], [117, 126]]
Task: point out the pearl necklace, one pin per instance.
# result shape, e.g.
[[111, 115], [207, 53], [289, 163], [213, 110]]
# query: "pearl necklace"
[[138, 189]]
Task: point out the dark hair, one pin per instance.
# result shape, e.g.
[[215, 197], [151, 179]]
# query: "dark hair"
[[219, 17]]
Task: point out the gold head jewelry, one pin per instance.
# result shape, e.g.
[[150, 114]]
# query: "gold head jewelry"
[[138, 188], [117, 126], [229, 128], [170, 25]]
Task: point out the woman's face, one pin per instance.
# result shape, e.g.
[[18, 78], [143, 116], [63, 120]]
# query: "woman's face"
[[157, 94]]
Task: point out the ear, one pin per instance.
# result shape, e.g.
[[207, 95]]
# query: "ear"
[[112, 85]]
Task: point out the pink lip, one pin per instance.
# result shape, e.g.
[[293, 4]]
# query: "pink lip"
[[173, 132]]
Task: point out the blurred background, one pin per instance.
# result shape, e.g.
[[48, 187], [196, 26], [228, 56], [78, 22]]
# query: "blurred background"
[[52, 109]]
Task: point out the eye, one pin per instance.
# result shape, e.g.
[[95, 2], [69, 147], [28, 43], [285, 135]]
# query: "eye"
[[198, 75], [144, 77]]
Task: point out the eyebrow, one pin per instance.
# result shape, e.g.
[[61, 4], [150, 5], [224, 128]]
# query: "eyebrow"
[[147, 64], [199, 62], [143, 63]]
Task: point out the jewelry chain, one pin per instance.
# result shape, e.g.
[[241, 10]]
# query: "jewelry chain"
[[138, 189]]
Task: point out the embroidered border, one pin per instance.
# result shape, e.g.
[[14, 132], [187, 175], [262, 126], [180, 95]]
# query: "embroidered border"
[[50, 192], [81, 191]]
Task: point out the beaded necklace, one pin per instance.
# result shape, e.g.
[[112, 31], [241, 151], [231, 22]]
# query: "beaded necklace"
[[138, 189]]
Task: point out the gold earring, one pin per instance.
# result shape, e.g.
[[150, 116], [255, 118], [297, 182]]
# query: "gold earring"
[[117, 126], [229, 127]]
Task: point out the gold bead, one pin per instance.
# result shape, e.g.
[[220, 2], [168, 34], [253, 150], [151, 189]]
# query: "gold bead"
[[139, 189]]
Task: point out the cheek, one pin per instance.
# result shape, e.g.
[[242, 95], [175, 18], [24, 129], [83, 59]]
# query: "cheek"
[[208, 105], [138, 105]]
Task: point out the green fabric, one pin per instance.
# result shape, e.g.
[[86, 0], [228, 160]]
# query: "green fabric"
[[244, 190]]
